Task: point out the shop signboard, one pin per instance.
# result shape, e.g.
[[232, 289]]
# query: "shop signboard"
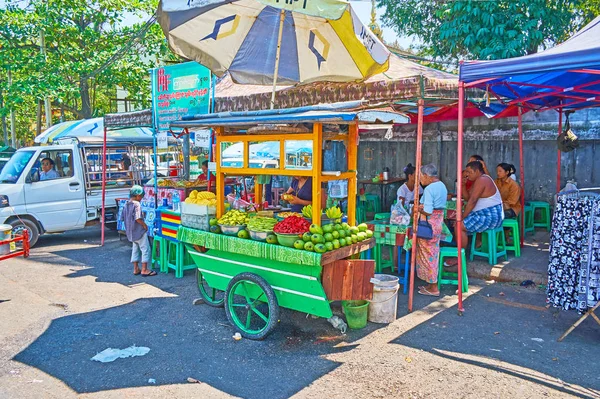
[[179, 90]]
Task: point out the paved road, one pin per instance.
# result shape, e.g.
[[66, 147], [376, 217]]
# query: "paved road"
[[73, 299]]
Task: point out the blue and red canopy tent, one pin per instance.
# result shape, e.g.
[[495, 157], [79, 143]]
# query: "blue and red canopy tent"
[[563, 78]]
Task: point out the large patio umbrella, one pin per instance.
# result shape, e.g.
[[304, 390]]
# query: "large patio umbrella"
[[264, 42]]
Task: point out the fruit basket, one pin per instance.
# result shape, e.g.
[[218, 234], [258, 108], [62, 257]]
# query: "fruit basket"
[[288, 240], [232, 230], [259, 235]]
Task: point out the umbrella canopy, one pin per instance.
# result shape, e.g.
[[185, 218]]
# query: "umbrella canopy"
[[320, 40], [92, 129]]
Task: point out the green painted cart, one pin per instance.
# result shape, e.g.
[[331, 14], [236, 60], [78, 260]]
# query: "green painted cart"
[[252, 280]]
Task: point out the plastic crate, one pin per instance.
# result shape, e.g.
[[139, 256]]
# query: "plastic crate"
[[198, 222]]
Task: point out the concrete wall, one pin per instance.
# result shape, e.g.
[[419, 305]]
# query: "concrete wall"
[[496, 140]]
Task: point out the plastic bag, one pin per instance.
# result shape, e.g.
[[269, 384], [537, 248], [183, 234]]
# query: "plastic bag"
[[399, 215]]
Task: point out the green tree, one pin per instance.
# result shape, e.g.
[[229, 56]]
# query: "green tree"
[[475, 29], [90, 50]]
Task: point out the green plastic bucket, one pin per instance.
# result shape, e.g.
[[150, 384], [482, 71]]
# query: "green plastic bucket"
[[356, 313]]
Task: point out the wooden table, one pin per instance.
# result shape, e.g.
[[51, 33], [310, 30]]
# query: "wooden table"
[[384, 188]]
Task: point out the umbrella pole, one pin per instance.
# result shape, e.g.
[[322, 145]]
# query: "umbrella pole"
[[279, 37]]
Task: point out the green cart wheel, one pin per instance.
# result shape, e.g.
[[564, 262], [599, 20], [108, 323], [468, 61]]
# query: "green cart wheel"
[[211, 296], [251, 306]]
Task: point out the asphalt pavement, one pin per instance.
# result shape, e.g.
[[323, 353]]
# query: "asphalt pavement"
[[73, 299]]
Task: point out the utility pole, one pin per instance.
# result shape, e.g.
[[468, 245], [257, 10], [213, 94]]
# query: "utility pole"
[[13, 122], [46, 99]]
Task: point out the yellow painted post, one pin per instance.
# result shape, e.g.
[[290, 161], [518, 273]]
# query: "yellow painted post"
[[258, 192], [220, 189], [317, 163], [352, 167]]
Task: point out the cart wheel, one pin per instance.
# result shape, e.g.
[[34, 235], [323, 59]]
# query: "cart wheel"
[[211, 296], [254, 318]]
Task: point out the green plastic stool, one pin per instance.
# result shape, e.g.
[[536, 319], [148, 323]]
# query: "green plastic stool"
[[445, 277], [169, 257], [157, 250], [379, 263], [544, 219], [361, 214], [373, 203], [529, 227], [512, 225], [493, 245], [382, 216]]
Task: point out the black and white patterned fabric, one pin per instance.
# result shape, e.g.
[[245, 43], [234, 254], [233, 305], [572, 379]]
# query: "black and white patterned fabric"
[[574, 264]]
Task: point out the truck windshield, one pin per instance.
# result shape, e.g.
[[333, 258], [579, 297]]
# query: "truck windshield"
[[14, 167]]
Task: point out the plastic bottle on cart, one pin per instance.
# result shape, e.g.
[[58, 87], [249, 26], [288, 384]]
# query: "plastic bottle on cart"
[[176, 202]]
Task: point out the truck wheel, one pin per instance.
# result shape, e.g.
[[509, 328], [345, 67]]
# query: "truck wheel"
[[19, 224]]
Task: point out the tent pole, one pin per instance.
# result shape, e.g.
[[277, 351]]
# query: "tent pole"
[[522, 171], [279, 37], [413, 253], [459, 163], [558, 160], [103, 186]]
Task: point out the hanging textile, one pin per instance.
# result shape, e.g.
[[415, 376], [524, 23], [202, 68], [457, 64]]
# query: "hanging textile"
[[589, 276], [574, 263]]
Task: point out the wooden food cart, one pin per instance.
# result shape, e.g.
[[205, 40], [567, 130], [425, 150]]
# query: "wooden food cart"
[[253, 279]]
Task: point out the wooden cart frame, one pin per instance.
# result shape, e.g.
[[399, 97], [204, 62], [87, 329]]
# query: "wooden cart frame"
[[252, 289]]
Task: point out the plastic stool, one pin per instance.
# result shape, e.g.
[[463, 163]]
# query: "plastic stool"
[[379, 264], [490, 245], [529, 227], [157, 250], [544, 208], [512, 225], [373, 203], [404, 279], [361, 214], [382, 216], [443, 276], [178, 259]]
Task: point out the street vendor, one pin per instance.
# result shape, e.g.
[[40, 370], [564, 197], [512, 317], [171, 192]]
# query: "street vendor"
[[301, 191], [204, 175]]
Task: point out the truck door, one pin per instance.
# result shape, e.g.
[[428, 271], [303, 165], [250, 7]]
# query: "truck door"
[[55, 192]]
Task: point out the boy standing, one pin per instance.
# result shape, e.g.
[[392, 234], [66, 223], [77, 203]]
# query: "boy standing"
[[136, 229]]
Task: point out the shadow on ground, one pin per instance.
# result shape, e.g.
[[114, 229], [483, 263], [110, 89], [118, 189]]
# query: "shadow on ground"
[[512, 324], [184, 340]]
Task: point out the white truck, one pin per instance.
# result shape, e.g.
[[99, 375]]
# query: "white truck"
[[71, 199]]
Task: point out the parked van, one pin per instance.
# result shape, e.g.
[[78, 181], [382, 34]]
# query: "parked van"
[[72, 197]]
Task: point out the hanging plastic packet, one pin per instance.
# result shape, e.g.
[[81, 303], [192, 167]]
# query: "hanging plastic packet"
[[398, 215]]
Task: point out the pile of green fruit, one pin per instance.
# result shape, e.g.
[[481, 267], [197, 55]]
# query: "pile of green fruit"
[[262, 224], [234, 218], [332, 236]]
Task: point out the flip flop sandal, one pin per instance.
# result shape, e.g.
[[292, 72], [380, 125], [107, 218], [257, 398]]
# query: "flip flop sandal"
[[152, 273], [136, 274], [427, 293]]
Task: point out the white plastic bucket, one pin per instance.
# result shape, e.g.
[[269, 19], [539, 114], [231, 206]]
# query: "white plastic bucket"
[[383, 306], [5, 234]]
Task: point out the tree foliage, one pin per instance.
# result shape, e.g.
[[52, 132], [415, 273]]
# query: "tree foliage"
[[480, 29], [90, 50]]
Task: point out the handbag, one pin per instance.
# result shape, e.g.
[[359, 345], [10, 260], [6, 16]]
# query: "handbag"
[[567, 141], [424, 230]]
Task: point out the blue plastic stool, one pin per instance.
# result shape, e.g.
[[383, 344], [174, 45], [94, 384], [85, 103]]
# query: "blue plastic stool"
[[404, 279]]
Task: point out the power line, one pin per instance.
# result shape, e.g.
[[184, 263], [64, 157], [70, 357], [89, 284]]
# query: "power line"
[[126, 47]]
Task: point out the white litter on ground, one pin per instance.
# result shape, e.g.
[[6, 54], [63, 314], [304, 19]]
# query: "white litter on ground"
[[537, 339], [110, 354]]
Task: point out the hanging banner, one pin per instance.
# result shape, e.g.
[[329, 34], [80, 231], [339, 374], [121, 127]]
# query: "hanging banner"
[[179, 90]]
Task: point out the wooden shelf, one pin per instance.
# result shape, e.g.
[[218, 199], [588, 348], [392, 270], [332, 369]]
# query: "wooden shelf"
[[345, 252]]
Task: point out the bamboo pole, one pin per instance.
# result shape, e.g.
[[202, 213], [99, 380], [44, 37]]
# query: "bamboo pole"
[[276, 73]]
